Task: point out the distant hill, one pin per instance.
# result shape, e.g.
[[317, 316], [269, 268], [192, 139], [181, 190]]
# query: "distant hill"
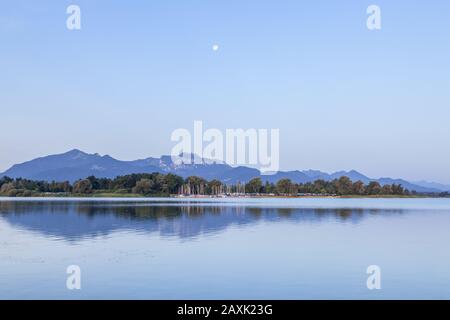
[[432, 185], [76, 164]]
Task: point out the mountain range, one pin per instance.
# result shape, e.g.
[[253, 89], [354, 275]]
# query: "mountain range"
[[76, 164]]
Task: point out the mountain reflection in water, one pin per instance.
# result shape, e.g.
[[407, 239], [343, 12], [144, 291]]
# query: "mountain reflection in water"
[[74, 220]]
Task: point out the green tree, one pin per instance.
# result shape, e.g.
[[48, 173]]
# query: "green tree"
[[374, 188], [4, 180], [319, 186], [254, 186], [143, 186], [172, 183], [214, 187], [343, 185], [397, 189], [359, 188], [7, 187], [386, 189], [82, 187], [284, 186], [196, 184]]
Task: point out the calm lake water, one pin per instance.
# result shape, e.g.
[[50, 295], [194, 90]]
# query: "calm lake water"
[[225, 248]]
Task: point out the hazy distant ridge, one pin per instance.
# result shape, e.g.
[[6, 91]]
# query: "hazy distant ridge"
[[76, 164]]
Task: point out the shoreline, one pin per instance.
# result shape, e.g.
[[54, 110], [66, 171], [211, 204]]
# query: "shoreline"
[[128, 196]]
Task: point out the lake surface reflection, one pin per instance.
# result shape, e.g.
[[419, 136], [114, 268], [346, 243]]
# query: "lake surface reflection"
[[225, 248]]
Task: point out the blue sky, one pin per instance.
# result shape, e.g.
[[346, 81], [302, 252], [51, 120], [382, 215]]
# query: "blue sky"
[[342, 96]]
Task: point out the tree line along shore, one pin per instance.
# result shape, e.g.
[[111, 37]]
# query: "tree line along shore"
[[157, 184]]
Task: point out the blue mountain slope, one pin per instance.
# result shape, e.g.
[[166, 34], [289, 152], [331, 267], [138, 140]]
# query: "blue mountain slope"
[[76, 164], [407, 185], [432, 185], [296, 176]]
